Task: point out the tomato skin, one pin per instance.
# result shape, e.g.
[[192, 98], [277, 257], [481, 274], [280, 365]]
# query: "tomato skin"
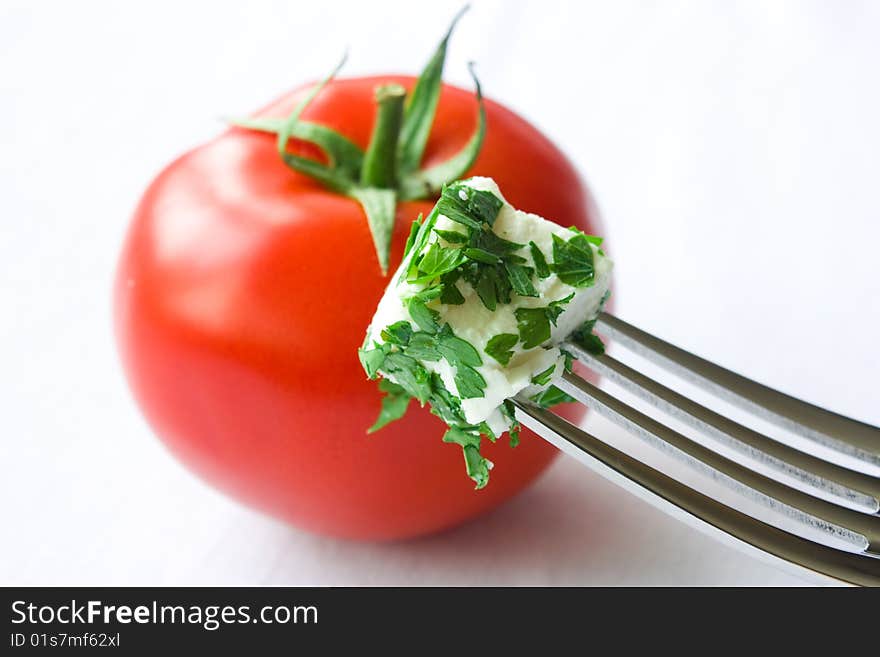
[[243, 292]]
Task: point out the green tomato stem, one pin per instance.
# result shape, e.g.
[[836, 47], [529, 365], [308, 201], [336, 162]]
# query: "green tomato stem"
[[380, 160]]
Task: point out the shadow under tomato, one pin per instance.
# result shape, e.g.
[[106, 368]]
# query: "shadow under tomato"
[[556, 532]]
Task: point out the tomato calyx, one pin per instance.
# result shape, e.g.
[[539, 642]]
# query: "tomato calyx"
[[390, 169]]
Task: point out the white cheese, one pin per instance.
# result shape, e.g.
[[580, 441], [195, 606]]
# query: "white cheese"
[[473, 322]]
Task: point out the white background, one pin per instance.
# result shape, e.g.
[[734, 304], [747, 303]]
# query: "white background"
[[733, 148]]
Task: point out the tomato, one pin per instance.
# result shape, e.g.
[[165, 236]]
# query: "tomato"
[[243, 293]]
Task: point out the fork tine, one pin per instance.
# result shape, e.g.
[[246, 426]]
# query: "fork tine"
[[860, 532], [695, 508], [836, 432], [812, 474]]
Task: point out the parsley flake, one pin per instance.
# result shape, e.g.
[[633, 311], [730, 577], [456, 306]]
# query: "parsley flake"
[[481, 255], [470, 383], [533, 326], [541, 267], [457, 351], [394, 404], [372, 359], [569, 360], [452, 236], [423, 346], [552, 396], [584, 337], [451, 294], [467, 206], [398, 333], [494, 243], [438, 260], [426, 318], [413, 233], [409, 374], [521, 279], [508, 410], [543, 378], [500, 347], [444, 404], [556, 308], [573, 260], [476, 465]]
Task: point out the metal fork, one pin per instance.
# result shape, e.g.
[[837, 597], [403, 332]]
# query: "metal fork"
[[828, 506]]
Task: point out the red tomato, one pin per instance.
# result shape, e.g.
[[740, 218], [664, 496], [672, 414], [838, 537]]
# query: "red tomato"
[[244, 290]]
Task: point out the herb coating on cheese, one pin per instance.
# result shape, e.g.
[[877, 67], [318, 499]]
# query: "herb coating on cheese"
[[475, 313]]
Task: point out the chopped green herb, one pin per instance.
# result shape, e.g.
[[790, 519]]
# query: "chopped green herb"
[[556, 308], [398, 333], [479, 203], [584, 337], [508, 411], [481, 428], [500, 347], [551, 396], [543, 378], [410, 374], [423, 346], [468, 206], [480, 255], [461, 437], [541, 267], [394, 404], [569, 359], [476, 465], [453, 213], [413, 232], [451, 294], [491, 242], [438, 260], [430, 344], [482, 204], [592, 343], [372, 359], [426, 318], [419, 242], [533, 326], [469, 382], [452, 236], [457, 351], [486, 287], [521, 279], [573, 260], [443, 403], [490, 282], [592, 239], [503, 289], [429, 293]]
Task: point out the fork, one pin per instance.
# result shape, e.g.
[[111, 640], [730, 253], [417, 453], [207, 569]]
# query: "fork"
[[826, 504]]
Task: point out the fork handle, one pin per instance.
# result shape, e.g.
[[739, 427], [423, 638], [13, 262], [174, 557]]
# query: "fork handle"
[[804, 557]]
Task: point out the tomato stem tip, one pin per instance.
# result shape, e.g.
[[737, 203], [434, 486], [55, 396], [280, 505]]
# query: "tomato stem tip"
[[380, 159]]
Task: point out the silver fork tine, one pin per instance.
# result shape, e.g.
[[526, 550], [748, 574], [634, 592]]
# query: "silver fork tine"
[[699, 510], [814, 475], [860, 532], [836, 432]]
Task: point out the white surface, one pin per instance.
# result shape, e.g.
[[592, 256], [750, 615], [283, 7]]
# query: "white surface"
[[741, 136]]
